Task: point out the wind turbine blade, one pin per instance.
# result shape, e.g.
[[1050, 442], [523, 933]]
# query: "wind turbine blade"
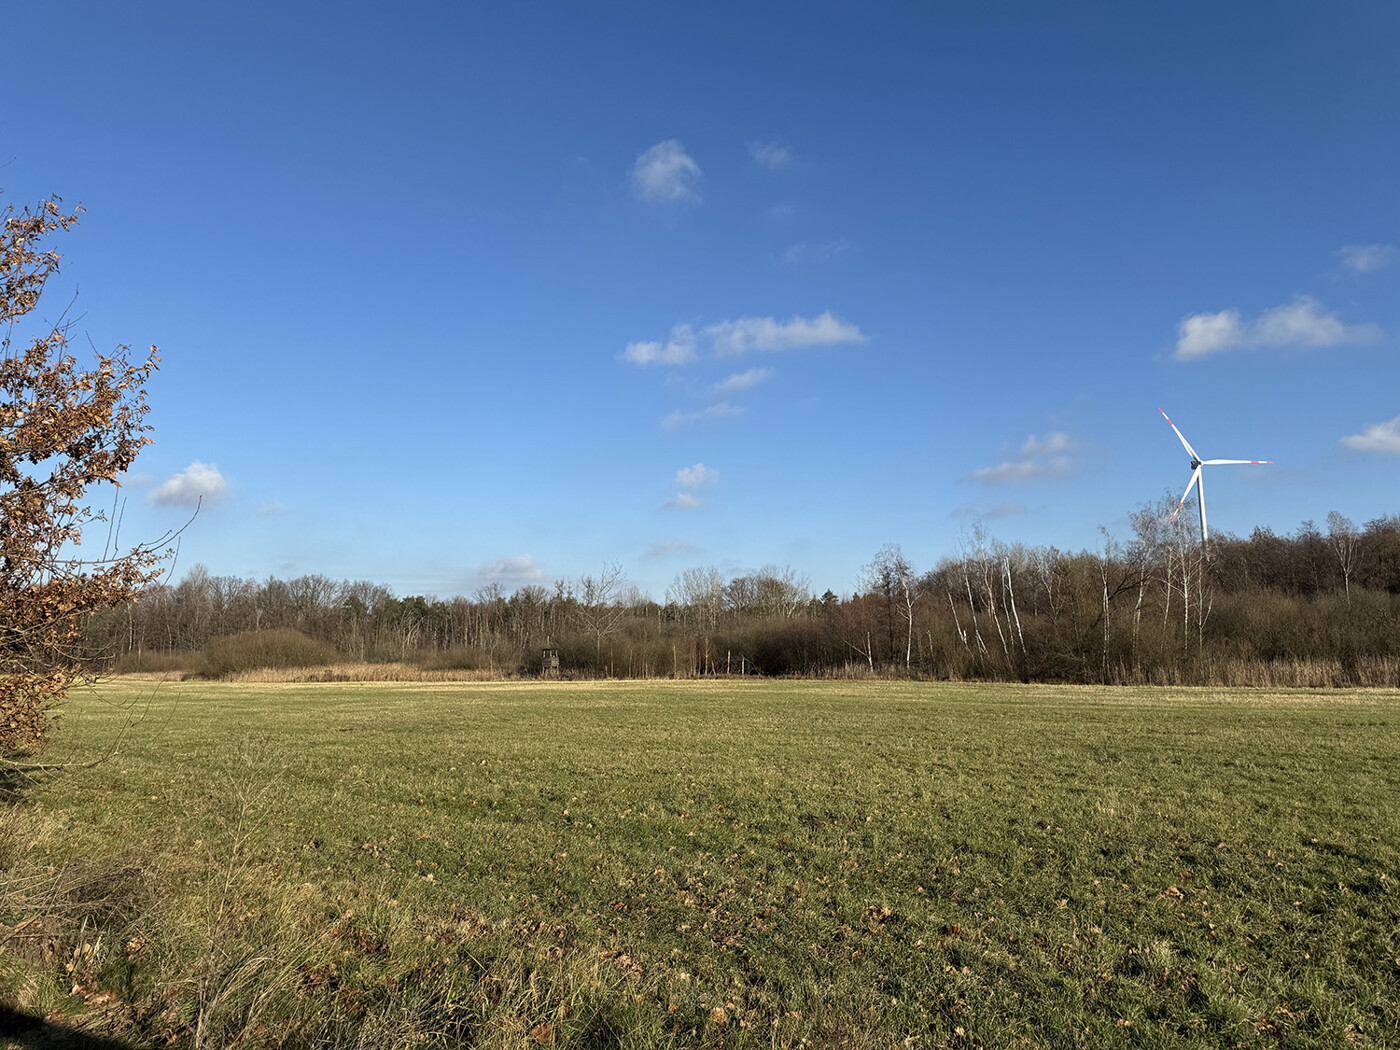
[[1184, 442], [1217, 462], [1195, 477]]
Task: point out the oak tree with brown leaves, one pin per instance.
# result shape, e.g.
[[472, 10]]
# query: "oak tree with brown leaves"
[[63, 429]]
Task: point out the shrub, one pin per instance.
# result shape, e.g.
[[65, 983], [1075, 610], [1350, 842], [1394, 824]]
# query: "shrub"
[[255, 650]]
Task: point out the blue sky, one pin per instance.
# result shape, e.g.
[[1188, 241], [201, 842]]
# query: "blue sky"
[[449, 293]]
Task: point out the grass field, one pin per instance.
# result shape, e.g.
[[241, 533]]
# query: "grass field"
[[703, 864]]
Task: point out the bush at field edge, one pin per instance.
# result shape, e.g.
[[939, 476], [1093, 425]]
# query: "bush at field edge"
[[255, 650]]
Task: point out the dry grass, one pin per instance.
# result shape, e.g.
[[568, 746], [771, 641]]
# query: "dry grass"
[[361, 672], [1207, 669], [1367, 672]]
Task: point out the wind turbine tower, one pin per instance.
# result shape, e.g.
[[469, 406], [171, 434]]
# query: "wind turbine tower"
[[1197, 480]]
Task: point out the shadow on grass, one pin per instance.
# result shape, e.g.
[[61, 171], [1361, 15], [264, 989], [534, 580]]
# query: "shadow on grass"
[[22, 1029], [13, 783]]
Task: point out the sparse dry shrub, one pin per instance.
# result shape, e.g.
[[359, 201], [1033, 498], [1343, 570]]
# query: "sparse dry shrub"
[[176, 662], [70, 930]]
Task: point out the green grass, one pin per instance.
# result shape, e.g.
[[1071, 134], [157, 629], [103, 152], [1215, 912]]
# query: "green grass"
[[736, 864]]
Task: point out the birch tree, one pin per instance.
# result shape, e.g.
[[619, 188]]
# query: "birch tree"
[[891, 574], [1343, 537]]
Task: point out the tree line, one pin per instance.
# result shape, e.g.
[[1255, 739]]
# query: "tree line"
[[1303, 609], [1314, 607]]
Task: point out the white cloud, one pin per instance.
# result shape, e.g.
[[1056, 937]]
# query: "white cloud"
[[805, 252], [1206, 333], [719, 410], [1366, 258], [1378, 437], [271, 507], [741, 381], [685, 501], [771, 155], [741, 335], [511, 573], [1050, 444], [666, 173], [1299, 323], [1040, 458], [198, 480], [696, 476], [763, 333], [677, 350], [1023, 470]]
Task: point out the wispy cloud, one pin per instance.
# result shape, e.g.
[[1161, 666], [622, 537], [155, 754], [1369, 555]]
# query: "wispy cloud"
[[1016, 470], [696, 476], [510, 572], [771, 155], [685, 501], [1049, 445], [677, 350], [1006, 509], [806, 252], [670, 548], [1039, 458], [747, 334], [185, 489], [666, 173], [1303, 322], [741, 381], [1378, 437], [719, 410], [743, 335], [1366, 258], [268, 508]]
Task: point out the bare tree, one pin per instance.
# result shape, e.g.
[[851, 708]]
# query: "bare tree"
[[702, 591], [1342, 534], [986, 566], [1148, 547], [599, 611], [782, 591], [1007, 555], [891, 575]]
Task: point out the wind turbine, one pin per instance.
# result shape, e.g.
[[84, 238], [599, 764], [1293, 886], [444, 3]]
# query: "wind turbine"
[[1197, 480]]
